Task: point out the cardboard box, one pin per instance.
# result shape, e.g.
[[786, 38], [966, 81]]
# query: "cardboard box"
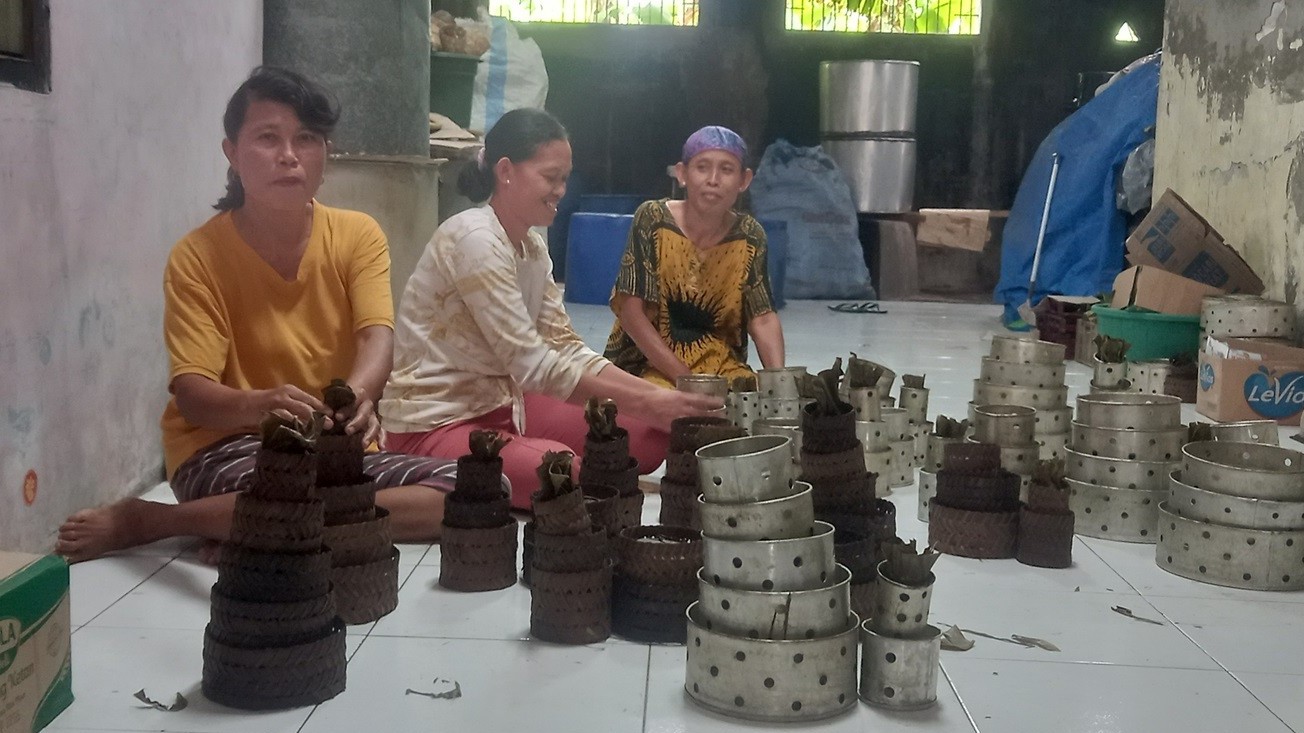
[[35, 641], [1158, 290], [1175, 238], [969, 229], [1240, 379]]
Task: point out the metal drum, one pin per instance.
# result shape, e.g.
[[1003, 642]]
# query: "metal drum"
[[1126, 515], [794, 680], [1026, 350], [1131, 411], [745, 469], [874, 95], [800, 563], [758, 614], [1200, 505], [1017, 374], [772, 519], [1105, 471], [1134, 445], [1245, 469], [1230, 556], [996, 394], [880, 170], [1249, 431]]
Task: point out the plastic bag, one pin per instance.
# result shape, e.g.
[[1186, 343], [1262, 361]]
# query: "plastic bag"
[[804, 188], [511, 76]]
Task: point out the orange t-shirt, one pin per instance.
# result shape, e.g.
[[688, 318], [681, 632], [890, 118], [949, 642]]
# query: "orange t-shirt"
[[230, 317]]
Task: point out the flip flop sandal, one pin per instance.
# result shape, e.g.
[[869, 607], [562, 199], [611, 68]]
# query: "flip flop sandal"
[[866, 307]]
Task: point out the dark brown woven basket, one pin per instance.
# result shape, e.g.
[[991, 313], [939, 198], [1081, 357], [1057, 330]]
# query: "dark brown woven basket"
[[360, 543], [1183, 388], [679, 506], [365, 593], [681, 468], [659, 555], [852, 497], [527, 552], [847, 464], [600, 502], [983, 535], [284, 476], [998, 492], [571, 608], [277, 526], [607, 456], [685, 432], [475, 560], [1042, 498], [858, 551], [828, 433], [275, 678], [339, 459], [571, 553], [253, 575], [629, 510], [478, 479], [650, 614], [1045, 539], [245, 623], [623, 480], [862, 598], [470, 514], [351, 500], [565, 514], [971, 457]]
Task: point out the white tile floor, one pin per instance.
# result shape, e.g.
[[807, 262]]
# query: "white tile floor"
[[1221, 660]]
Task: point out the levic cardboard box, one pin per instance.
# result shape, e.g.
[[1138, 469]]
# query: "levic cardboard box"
[[1250, 380], [1158, 290], [1175, 238], [35, 641]]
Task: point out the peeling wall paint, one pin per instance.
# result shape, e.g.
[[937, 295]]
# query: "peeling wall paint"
[[1230, 136], [97, 180]]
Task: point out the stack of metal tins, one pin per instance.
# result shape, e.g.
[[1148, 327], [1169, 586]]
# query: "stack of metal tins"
[[1012, 429], [1247, 316], [1029, 373], [1124, 446]]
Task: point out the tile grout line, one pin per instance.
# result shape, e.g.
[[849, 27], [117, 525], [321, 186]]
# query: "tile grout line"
[[647, 687], [129, 591], [950, 682]]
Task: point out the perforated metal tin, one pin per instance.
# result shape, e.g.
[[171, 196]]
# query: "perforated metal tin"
[[1263, 432], [1133, 445], [1245, 469], [1148, 377], [758, 614], [899, 609], [743, 408], [1004, 424], [1026, 351], [1104, 471], [927, 490], [897, 422], [1020, 459], [745, 469], [1122, 386], [1132, 411], [1053, 446], [936, 448], [799, 563], [1233, 511], [882, 462], [1230, 556], [785, 408], [772, 519], [921, 433], [914, 400], [900, 674], [998, 394], [903, 469], [1250, 317], [790, 428], [1108, 375], [1053, 420], [1016, 374], [1126, 515], [776, 681], [780, 383], [867, 403], [873, 435]]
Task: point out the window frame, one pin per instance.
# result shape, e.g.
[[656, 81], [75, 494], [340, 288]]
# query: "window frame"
[[601, 24], [31, 73], [786, 10]]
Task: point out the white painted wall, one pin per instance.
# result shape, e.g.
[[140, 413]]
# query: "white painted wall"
[[98, 179]]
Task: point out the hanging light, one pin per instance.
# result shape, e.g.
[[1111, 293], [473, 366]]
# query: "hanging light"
[[1127, 35]]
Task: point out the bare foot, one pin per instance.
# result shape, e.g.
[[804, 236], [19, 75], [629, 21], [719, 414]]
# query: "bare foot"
[[210, 552], [92, 533]]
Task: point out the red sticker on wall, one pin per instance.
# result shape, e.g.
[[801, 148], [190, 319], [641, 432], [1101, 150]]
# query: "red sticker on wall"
[[29, 488]]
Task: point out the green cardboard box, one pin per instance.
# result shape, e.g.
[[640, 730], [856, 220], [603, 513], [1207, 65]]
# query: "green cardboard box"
[[35, 641]]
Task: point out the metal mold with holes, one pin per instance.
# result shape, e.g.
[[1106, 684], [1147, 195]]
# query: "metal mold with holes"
[[1108, 375], [1004, 424], [776, 681], [1245, 469], [759, 614], [1099, 389], [1149, 377], [783, 383], [1130, 411], [1053, 420], [1251, 317], [798, 563], [1020, 459], [1026, 350], [1053, 446], [899, 609], [1263, 432], [745, 469], [873, 435], [1111, 513], [936, 448], [883, 463], [1015, 374], [1104, 471], [914, 400], [897, 422], [1230, 556], [1232, 511], [866, 402], [922, 431], [899, 673], [743, 408], [997, 394], [903, 468], [787, 427], [1133, 445], [927, 490], [772, 519], [784, 408]]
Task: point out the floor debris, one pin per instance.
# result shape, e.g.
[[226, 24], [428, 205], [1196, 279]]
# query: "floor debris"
[[954, 640], [450, 694], [1124, 611], [179, 703]]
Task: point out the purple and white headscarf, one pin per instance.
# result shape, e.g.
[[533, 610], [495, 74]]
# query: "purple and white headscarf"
[[714, 137]]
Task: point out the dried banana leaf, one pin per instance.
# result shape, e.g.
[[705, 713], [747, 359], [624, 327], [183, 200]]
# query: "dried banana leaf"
[[601, 417], [287, 434], [862, 373], [745, 383], [1197, 432], [487, 444], [908, 567], [945, 427], [555, 475], [913, 381], [1111, 350]]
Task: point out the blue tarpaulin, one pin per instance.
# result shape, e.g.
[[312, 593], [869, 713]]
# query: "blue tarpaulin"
[[1083, 250]]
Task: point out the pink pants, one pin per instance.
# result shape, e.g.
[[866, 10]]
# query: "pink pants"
[[551, 425]]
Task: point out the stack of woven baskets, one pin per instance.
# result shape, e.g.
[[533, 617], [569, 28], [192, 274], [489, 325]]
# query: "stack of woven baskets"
[[1012, 429], [478, 544], [947, 432], [655, 581], [608, 473], [679, 488], [1031, 374], [274, 639], [1045, 520], [914, 400], [1124, 446], [833, 464], [976, 510]]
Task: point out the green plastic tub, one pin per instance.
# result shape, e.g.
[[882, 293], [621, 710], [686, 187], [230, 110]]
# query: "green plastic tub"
[[1152, 335], [452, 80]]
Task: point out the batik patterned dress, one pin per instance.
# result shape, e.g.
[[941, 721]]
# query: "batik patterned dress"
[[700, 302]]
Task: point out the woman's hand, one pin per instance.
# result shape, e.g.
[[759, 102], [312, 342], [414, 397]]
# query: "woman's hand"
[[360, 416], [660, 406], [286, 398]]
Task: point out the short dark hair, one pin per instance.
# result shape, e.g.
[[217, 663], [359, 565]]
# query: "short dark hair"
[[316, 108], [517, 136]]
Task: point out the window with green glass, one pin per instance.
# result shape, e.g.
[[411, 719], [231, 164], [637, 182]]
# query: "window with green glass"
[[609, 12], [938, 17]]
